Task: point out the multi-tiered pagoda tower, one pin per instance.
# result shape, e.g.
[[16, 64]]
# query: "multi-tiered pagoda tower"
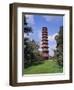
[[45, 51]]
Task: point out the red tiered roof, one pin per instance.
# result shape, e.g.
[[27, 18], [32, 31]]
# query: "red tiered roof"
[[45, 39]]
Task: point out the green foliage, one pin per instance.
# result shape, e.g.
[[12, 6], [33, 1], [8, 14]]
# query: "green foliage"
[[59, 51], [27, 29], [49, 66], [31, 53]]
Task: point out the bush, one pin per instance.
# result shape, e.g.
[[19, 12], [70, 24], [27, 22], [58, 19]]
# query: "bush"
[[31, 54]]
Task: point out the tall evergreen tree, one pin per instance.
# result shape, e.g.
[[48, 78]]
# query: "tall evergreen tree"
[[27, 29], [31, 53], [27, 48], [59, 51]]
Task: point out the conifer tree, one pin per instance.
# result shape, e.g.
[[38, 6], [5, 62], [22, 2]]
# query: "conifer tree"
[[59, 51]]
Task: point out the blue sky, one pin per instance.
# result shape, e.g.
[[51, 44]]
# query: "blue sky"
[[53, 24]]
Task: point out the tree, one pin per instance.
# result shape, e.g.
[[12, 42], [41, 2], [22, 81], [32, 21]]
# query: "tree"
[[27, 48], [31, 53], [59, 50], [27, 29]]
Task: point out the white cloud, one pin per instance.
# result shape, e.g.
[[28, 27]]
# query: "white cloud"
[[30, 19], [40, 49], [51, 52], [25, 35], [28, 36], [52, 37], [52, 44], [49, 18], [39, 34]]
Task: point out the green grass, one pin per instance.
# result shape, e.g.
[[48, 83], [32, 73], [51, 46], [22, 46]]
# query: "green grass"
[[49, 66]]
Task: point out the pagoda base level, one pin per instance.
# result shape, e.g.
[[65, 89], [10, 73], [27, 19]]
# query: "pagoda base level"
[[45, 58], [45, 55]]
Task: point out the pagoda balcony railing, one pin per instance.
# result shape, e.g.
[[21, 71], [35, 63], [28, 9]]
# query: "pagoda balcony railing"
[[45, 49], [44, 37], [45, 45], [44, 42], [44, 33]]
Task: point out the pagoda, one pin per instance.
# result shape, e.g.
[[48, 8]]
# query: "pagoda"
[[45, 51]]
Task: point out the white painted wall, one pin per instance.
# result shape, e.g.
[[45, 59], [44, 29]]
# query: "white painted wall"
[[4, 46]]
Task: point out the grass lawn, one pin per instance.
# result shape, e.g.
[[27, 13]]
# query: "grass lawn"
[[49, 66]]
